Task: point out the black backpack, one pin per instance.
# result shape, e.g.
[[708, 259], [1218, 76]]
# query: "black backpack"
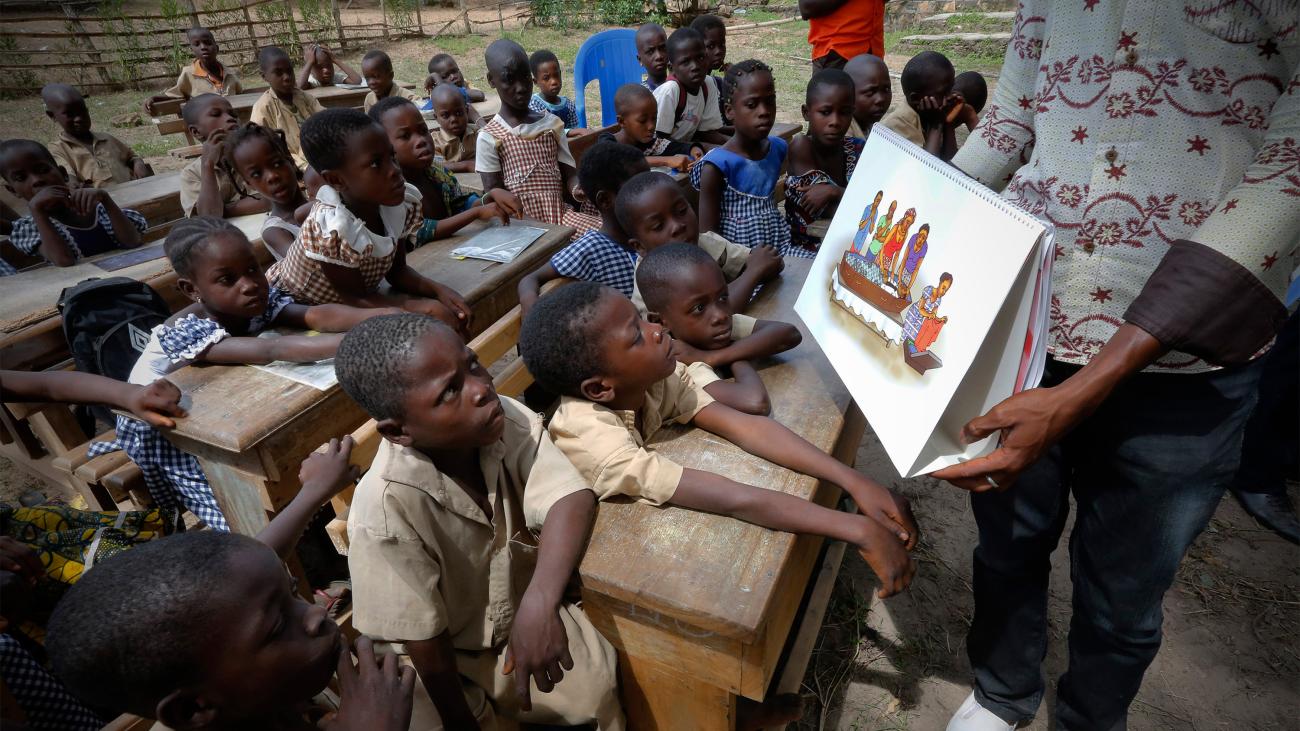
[[107, 324]]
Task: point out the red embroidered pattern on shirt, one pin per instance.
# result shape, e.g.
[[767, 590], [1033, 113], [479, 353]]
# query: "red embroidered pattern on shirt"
[[1024, 45]]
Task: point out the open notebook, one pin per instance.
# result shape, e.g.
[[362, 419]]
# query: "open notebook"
[[929, 295]]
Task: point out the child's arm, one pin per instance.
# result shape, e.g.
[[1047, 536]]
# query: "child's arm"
[[308, 66], [570, 175], [450, 225], [373, 695], [210, 202], [323, 475], [331, 318], [41, 206], [348, 281], [714, 136], [87, 200], [676, 162], [246, 207], [435, 662], [745, 392], [711, 186], [530, 287], [278, 240], [538, 642], [772, 441], [475, 95], [764, 264], [461, 166], [768, 338], [350, 76], [154, 404], [260, 351], [405, 279], [140, 168]]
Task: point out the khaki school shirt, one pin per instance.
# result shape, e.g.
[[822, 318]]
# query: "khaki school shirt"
[[608, 449], [192, 186], [731, 257], [742, 326], [194, 81], [455, 149], [269, 111], [904, 120], [423, 556], [395, 90], [107, 161]]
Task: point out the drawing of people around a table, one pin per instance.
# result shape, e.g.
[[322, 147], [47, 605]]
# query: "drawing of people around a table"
[[910, 260], [867, 225], [921, 325], [883, 225]]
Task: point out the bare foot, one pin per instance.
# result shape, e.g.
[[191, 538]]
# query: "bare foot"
[[782, 709]]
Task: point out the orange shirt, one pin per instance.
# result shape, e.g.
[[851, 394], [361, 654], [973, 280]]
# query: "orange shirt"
[[858, 26]]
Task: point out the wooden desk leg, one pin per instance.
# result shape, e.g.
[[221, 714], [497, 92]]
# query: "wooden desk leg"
[[658, 699], [239, 494]]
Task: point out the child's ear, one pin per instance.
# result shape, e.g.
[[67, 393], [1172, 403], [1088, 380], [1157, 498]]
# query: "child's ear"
[[184, 708], [636, 245], [604, 200], [596, 389], [393, 431], [194, 132], [188, 289], [334, 178], [804, 110], [49, 114]]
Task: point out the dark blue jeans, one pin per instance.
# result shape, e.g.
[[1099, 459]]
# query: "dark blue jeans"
[[1147, 471]]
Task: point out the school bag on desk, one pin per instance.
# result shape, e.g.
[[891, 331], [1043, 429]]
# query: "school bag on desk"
[[107, 324]]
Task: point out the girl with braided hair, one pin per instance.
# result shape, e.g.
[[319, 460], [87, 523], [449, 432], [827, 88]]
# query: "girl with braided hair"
[[261, 157]]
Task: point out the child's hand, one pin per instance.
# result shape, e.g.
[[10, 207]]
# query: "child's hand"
[[20, 559], [538, 649], [767, 261], [490, 209], [577, 132], [686, 353], [212, 149], [430, 81], [509, 202], [434, 308], [85, 200], [891, 511], [324, 474], [697, 152], [818, 197], [156, 403], [886, 557], [374, 695], [457, 304], [680, 162], [50, 199]]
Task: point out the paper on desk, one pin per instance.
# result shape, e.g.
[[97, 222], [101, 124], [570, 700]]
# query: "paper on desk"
[[498, 243], [130, 257], [318, 375]]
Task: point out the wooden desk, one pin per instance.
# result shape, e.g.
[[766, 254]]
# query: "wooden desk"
[[700, 606], [157, 197], [251, 429], [785, 130]]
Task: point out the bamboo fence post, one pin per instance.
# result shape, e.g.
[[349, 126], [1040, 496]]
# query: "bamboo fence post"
[[501, 19], [293, 24], [83, 38], [464, 12], [383, 16], [194, 13], [248, 21], [419, 21], [338, 21]]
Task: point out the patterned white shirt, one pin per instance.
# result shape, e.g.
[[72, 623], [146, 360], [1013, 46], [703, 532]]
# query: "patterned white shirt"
[[1133, 124]]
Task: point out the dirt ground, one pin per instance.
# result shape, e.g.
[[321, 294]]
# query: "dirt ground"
[[1231, 652]]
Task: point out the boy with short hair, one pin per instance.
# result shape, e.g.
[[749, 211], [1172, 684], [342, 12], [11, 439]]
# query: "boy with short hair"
[[283, 106], [254, 655], [873, 92], [637, 114], [714, 32], [206, 75], [377, 70], [685, 292], [441, 538], [63, 224], [652, 53], [443, 69], [455, 137], [96, 159], [924, 120], [620, 383], [974, 91], [318, 68], [688, 106], [549, 81], [207, 189]]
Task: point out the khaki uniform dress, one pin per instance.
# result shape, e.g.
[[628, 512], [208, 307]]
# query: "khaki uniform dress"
[[270, 111]]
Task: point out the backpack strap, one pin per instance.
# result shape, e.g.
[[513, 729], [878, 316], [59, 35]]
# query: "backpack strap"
[[681, 98]]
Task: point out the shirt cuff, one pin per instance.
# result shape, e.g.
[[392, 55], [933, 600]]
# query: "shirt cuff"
[[1201, 302]]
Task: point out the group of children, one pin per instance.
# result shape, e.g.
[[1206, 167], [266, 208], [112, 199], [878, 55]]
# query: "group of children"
[[473, 516]]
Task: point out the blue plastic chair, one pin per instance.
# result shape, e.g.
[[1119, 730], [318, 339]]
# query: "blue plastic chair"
[[609, 59]]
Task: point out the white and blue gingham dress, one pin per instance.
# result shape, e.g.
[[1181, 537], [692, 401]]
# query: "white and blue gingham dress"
[[175, 478], [749, 214], [42, 698], [595, 257]]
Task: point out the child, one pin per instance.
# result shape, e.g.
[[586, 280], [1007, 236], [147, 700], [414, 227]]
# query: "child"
[[874, 92], [527, 152], [93, 159], [927, 86], [685, 291], [260, 156], [974, 91], [443, 69], [653, 211], [155, 403], [620, 383], [216, 268], [652, 54], [637, 115], [736, 181], [688, 107], [455, 138], [358, 229], [821, 161], [283, 106], [377, 69], [445, 206], [207, 188], [63, 224], [206, 75], [601, 255], [549, 81], [318, 68], [714, 32], [252, 655], [442, 538]]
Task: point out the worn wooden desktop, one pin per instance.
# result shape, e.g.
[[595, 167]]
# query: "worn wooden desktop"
[[700, 606], [157, 197], [251, 429]]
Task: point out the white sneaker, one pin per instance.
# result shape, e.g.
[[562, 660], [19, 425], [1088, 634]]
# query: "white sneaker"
[[974, 717]]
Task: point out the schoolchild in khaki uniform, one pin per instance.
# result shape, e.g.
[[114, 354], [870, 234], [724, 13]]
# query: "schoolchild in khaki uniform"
[[284, 106]]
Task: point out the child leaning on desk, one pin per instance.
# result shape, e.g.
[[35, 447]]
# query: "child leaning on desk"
[[620, 382], [94, 159], [233, 303], [442, 547], [64, 224], [357, 231]]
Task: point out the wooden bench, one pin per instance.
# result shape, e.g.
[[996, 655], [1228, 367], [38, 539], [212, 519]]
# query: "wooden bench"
[[157, 197]]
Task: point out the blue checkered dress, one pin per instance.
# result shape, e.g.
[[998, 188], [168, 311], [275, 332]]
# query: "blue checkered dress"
[[175, 478], [749, 215], [43, 699], [27, 239], [6, 268], [595, 257], [565, 110]]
